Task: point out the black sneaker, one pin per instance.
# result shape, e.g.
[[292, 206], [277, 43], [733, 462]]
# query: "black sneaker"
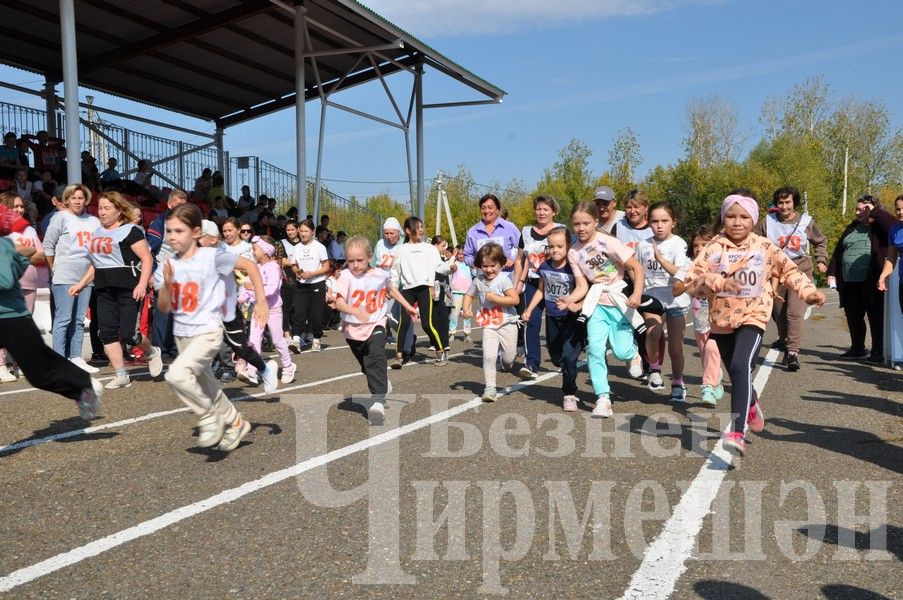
[[99, 360], [779, 344], [876, 358], [854, 355], [792, 363]]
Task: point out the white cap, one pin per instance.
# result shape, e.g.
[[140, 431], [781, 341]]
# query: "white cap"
[[392, 223], [209, 228]]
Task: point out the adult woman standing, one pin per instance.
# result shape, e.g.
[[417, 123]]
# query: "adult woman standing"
[[493, 228], [531, 253], [121, 267], [235, 243], [311, 265], [633, 228], [894, 250], [289, 284], [35, 275], [416, 264], [68, 233], [854, 270], [793, 233]]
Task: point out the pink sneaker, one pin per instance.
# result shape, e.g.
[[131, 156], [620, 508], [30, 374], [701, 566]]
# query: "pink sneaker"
[[570, 403], [734, 443], [755, 418]]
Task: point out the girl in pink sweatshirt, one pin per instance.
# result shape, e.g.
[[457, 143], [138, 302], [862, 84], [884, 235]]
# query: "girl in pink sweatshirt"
[[264, 248], [736, 268]]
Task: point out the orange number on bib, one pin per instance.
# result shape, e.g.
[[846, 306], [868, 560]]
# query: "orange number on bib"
[[536, 258], [793, 243], [83, 237], [372, 300], [387, 262], [490, 316], [102, 245], [185, 296]]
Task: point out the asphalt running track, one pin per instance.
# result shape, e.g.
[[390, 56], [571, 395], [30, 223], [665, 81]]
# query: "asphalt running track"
[[456, 498]]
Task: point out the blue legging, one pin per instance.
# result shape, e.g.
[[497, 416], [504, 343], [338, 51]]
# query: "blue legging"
[[607, 326], [739, 350], [531, 332]]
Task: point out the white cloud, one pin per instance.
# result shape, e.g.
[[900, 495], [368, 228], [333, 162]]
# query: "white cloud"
[[438, 18]]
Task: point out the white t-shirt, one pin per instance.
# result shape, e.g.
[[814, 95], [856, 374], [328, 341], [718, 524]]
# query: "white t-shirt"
[[656, 280], [534, 250], [198, 292], [490, 315], [630, 236], [789, 237], [310, 257], [242, 248]]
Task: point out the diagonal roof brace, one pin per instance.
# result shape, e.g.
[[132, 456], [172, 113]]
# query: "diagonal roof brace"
[[397, 45]]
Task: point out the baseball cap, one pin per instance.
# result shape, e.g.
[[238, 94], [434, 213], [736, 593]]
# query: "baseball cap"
[[604, 193]]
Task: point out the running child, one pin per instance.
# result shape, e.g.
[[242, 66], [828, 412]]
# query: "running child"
[[564, 335], [460, 283], [496, 299], [661, 257], [190, 286], [712, 390], [737, 266], [603, 259], [264, 249], [361, 293]]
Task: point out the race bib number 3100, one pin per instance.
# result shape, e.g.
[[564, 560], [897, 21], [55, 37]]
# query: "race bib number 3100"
[[750, 273]]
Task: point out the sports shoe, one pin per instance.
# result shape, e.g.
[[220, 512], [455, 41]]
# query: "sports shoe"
[[288, 373], [755, 418], [432, 348], [155, 362], [227, 377], [442, 359], [376, 414], [234, 434], [854, 355], [603, 407], [490, 395], [398, 362], [315, 345], [467, 338], [875, 358], [6, 376], [248, 377], [655, 380], [99, 360], [210, 430], [678, 394], [779, 344], [635, 366], [792, 362], [734, 443], [119, 381], [294, 344], [719, 391], [270, 376], [707, 394], [89, 400], [81, 364], [570, 403], [527, 373]]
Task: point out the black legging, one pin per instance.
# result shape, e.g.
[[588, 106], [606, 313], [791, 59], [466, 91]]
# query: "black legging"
[[287, 292], [423, 296], [237, 340], [739, 350], [310, 308]]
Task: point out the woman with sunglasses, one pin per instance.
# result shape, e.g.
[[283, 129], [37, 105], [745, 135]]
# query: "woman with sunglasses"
[[238, 238]]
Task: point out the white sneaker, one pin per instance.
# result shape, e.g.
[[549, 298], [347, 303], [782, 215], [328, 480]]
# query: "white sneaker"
[[489, 395], [89, 401], [315, 345], [527, 373], [155, 362], [288, 374], [655, 380], [118, 382], [211, 429], [635, 366], [388, 387], [376, 413], [81, 364], [269, 377], [248, 377], [234, 434], [294, 344], [603, 407], [6, 376]]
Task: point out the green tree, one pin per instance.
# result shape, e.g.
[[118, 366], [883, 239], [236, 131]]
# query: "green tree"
[[623, 160], [570, 179]]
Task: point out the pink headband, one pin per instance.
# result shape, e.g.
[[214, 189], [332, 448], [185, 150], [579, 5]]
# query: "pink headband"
[[747, 204], [267, 248]]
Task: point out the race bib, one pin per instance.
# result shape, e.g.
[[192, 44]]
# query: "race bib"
[[557, 285], [598, 263], [490, 317], [750, 275]]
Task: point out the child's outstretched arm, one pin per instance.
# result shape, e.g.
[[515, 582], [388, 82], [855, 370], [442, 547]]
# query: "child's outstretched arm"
[[343, 307], [636, 274], [403, 302], [510, 298], [261, 310], [534, 301], [164, 301], [796, 280], [467, 306]]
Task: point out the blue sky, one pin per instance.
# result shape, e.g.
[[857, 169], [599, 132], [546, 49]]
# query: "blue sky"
[[579, 69]]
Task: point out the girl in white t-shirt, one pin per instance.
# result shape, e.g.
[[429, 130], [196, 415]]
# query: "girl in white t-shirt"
[[190, 286], [361, 292], [662, 257], [311, 266], [496, 301]]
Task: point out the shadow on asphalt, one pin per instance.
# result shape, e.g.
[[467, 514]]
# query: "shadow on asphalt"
[[723, 590], [62, 426], [861, 540], [840, 591], [873, 373], [884, 405], [852, 442]]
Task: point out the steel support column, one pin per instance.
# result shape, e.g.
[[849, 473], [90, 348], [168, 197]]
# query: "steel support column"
[[418, 114], [300, 153], [50, 101], [319, 160], [70, 90], [220, 156]]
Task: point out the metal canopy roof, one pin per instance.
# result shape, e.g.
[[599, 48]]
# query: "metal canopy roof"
[[224, 61]]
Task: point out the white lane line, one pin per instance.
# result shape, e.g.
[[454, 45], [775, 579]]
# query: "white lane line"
[[125, 422], [76, 555], [665, 559]]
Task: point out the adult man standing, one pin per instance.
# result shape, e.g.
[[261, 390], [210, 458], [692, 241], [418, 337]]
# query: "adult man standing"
[[607, 205], [161, 334], [793, 233]]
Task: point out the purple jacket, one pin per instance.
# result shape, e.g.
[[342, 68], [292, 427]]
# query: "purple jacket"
[[505, 234]]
